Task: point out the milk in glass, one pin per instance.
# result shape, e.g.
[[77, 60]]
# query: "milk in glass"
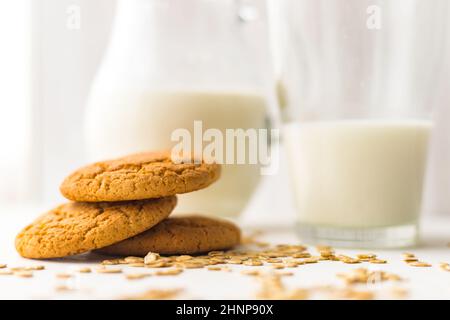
[[358, 173]]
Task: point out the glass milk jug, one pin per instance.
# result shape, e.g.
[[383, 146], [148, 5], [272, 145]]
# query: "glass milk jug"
[[170, 63]]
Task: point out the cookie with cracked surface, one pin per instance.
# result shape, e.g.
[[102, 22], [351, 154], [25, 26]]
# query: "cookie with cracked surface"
[[78, 227], [180, 235], [136, 177]]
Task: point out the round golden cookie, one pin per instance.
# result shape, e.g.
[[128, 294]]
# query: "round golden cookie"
[[136, 177], [179, 235], [78, 227]]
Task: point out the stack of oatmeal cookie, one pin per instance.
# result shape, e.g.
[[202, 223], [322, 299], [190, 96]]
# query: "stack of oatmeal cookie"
[[120, 207]]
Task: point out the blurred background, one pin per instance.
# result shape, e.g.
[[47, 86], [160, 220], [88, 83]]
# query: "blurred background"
[[50, 51]]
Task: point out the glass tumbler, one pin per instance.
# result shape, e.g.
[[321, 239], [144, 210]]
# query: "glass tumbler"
[[358, 84]]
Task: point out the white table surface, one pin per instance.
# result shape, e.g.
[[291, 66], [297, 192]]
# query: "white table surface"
[[421, 283]]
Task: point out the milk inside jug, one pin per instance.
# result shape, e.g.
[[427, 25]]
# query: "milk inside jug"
[[125, 122]]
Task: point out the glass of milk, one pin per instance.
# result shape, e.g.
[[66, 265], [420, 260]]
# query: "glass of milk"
[[359, 94], [173, 62]]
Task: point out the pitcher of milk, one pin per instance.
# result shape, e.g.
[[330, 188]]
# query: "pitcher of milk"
[[171, 63], [360, 83]]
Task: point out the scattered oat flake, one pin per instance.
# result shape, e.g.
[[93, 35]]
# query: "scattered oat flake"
[[352, 294], [157, 295], [5, 272], [157, 265], [419, 264], [273, 260], [285, 274], [170, 272], [301, 255], [215, 261], [291, 264], [183, 258], [64, 275], [151, 257], [272, 288], [214, 268], [250, 272], [365, 276], [445, 266], [347, 259], [215, 253], [377, 261], [63, 288], [137, 265], [137, 276], [23, 274], [18, 269], [29, 268], [366, 256], [2, 266], [191, 265], [105, 270], [111, 262], [131, 260], [85, 270], [310, 260], [253, 263]]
